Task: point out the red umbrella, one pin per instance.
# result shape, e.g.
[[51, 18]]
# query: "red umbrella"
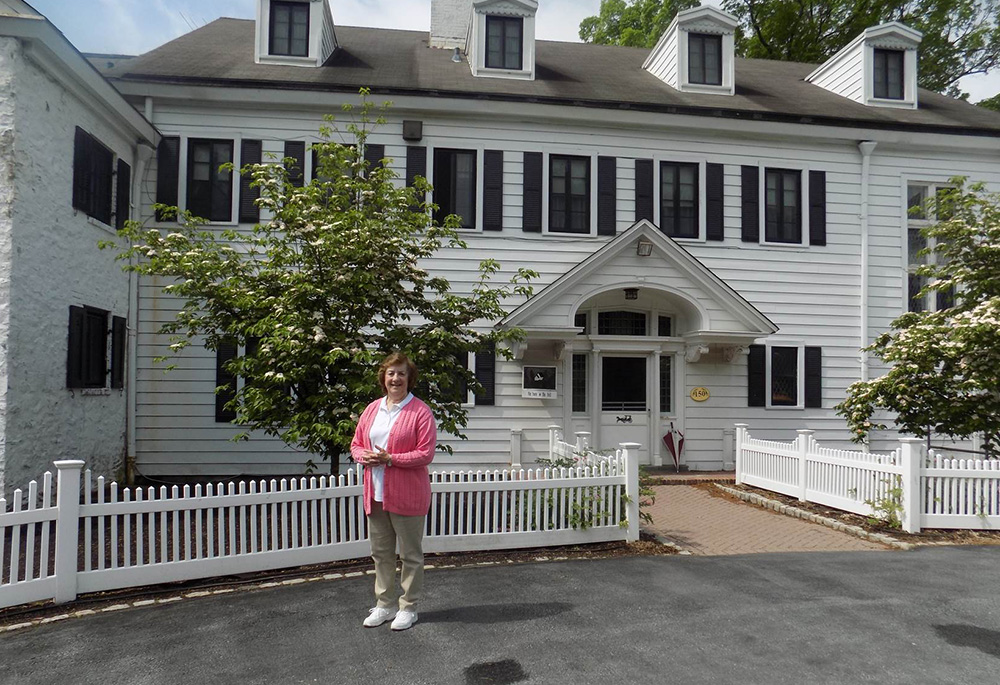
[[675, 449]]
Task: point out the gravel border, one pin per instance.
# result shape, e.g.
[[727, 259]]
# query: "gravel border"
[[795, 512]]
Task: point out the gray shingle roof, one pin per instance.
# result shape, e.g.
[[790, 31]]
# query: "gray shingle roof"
[[399, 62]]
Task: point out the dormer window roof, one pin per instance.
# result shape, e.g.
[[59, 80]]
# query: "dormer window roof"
[[695, 54], [501, 40], [294, 32], [877, 69]]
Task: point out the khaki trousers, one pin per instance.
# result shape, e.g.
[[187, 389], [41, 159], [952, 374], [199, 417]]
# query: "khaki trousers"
[[384, 530]]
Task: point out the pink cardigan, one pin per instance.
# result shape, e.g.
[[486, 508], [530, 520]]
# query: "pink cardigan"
[[412, 440]]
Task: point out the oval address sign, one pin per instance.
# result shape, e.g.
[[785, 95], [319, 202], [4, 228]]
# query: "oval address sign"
[[699, 394]]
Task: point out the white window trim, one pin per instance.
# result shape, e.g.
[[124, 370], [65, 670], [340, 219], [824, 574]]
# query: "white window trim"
[[433, 145], [477, 55], [316, 19], [800, 374], [933, 185], [547, 189], [728, 86], [803, 169], [909, 100], [683, 158], [182, 171]]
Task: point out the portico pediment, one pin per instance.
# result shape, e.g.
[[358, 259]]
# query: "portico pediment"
[[644, 270]]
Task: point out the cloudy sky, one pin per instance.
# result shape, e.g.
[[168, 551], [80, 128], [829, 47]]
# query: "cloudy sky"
[[135, 26]]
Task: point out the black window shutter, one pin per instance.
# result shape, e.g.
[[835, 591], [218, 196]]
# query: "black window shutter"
[[416, 165], [123, 192], [167, 170], [817, 208], [296, 149], [486, 365], [643, 189], [714, 201], [374, 153], [814, 376], [750, 182], [756, 377], [251, 152], [119, 338], [532, 216], [607, 197], [74, 357], [225, 352], [493, 190], [103, 172], [81, 169]]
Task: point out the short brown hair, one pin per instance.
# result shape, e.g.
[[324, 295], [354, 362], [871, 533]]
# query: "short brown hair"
[[392, 360]]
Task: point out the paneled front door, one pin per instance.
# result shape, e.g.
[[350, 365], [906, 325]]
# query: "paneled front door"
[[625, 411]]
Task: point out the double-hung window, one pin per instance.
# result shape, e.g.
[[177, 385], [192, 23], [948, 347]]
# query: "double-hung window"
[[784, 375], [93, 167], [783, 210], [888, 74], [504, 42], [705, 59], [679, 199], [209, 188], [918, 219], [455, 185], [289, 29], [569, 194]]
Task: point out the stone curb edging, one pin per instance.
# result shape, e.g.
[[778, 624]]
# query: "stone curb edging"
[[667, 542], [795, 512]]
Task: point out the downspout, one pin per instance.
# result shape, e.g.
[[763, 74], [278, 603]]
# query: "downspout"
[[866, 148], [142, 156]]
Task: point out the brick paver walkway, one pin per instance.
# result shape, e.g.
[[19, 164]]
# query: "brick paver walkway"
[[707, 525]]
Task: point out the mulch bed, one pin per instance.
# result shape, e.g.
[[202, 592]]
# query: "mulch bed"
[[929, 536], [647, 545]]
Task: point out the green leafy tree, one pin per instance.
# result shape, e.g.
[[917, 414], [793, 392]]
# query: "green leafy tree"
[[991, 103], [636, 23], [945, 365], [317, 294], [961, 37]]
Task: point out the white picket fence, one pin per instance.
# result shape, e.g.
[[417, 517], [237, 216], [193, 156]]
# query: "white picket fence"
[[933, 491], [105, 537]]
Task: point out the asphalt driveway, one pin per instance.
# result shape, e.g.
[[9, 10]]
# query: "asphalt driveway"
[[927, 616]]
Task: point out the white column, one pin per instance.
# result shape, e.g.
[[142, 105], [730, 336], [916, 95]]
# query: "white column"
[[67, 528], [803, 441], [515, 447], [630, 450], [741, 431], [914, 452], [595, 397]]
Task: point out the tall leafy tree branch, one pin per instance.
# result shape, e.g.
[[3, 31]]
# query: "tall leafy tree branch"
[[318, 293]]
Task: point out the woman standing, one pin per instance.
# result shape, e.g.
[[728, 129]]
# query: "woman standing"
[[395, 440]]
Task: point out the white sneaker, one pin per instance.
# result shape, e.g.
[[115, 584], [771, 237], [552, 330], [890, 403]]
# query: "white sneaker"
[[404, 619], [378, 615]]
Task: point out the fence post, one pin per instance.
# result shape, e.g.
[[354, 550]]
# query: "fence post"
[[553, 438], [630, 450], [803, 440], [67, 528], [582, 443], [515, 446], [741, 430], [912, 456]]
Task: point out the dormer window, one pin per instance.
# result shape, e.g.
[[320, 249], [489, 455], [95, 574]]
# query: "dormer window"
[[501, 38], [877, 69], [696, 54], [888, 74], [504, 42], [289, 34], [295, 33], [705, 59]]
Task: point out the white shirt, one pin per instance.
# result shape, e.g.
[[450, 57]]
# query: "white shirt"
[[378, 435]]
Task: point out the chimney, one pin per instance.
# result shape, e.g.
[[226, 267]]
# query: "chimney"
[[450, 23]]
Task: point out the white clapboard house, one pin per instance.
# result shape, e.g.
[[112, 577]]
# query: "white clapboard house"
[[716, 237]]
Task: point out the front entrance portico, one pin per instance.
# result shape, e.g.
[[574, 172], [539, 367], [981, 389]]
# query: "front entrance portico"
[[627, 328]]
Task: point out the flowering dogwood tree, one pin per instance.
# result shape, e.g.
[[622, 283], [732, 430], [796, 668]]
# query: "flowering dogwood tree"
[[318, 293], [945, 365]]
